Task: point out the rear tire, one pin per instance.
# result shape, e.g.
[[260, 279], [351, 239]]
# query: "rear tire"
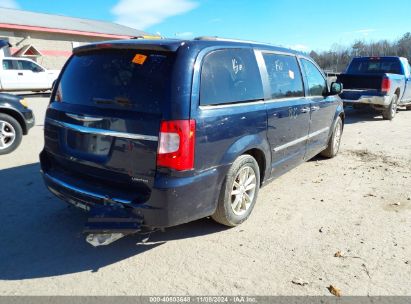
[[408, 108], [389, 113], [335, 140], [239, 192], [11, 134]]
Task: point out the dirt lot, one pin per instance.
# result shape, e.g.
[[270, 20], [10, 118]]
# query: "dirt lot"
[[358, 203]]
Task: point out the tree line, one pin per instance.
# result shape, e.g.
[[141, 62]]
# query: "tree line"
[[337, 59]]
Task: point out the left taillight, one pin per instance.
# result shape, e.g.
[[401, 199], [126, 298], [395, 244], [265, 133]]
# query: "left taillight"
[[385, 85], [176, 144]]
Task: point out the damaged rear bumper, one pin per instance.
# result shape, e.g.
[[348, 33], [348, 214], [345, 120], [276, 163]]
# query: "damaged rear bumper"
[[173, 201]]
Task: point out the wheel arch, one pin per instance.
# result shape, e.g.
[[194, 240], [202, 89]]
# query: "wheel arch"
[[398, 92], [255, 146], [259, 156]]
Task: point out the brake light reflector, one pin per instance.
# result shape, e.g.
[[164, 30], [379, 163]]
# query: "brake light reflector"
[[176, 144], [386, 85]]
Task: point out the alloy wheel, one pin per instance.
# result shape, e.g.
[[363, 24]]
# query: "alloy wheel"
[[7, 134], [243, 191]]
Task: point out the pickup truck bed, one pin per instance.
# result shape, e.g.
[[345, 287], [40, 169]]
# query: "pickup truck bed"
[[361, 81], [380, 82]]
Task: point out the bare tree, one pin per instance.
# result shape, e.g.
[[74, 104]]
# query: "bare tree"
[[339, 56]]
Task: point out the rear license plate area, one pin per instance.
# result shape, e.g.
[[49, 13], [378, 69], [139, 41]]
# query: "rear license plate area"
[[89, 143]]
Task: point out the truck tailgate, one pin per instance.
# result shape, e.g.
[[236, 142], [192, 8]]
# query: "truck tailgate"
[[361, 82]]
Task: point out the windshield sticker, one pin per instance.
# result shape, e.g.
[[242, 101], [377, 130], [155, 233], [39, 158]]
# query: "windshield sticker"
[[291, 74], [139, 59]]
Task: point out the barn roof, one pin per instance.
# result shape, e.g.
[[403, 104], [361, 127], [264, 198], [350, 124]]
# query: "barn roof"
[[27, 20]]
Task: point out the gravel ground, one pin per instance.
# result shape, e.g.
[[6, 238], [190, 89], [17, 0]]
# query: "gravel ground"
[[356, 206]]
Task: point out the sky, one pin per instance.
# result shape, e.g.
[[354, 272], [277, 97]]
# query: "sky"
[[304, 25]]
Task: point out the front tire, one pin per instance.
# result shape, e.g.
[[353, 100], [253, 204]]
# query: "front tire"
[[389, 113], [239, 192], [335, 140], [10, 134]]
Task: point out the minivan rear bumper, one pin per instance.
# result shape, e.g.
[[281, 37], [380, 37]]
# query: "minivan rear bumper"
[[173, 201]]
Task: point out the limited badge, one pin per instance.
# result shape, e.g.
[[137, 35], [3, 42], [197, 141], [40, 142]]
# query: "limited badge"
[[139, 59]]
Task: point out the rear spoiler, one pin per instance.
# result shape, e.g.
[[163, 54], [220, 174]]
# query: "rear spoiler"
[[152, 45]]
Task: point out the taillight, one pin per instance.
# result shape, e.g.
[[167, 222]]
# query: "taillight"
[[386, 85], [176, 144], [59, 96]]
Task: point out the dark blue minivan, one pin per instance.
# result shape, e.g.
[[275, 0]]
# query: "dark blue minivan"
[[172, 131]]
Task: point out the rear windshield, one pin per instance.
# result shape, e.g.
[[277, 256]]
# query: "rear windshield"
[[125, 79], [375, 66]]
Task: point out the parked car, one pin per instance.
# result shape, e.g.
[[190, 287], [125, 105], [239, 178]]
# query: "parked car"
[[16, 119], [384, 83], [21, 74], [174, 131]]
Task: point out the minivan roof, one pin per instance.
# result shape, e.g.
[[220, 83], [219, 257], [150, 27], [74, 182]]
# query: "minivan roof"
[[173, 45]]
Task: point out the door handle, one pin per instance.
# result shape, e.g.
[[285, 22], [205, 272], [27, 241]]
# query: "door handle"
[[315, 108], [20, 74], [305, 110]]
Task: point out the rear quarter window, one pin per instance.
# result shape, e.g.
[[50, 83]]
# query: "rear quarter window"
[[230, 76], [119, 79]]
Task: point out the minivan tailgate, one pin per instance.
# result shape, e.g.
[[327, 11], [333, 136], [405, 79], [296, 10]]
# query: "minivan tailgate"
[[112, 146], [103, 122]]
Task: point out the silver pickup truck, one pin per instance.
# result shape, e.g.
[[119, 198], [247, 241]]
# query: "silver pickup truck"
[[383, 83]]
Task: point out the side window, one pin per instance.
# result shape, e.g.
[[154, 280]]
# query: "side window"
[[28, 65], [317, 85], [229, 76], [284, 75], [8, 65]]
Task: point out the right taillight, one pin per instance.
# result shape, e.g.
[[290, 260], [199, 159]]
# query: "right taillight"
[[176, 145], [386, 85]]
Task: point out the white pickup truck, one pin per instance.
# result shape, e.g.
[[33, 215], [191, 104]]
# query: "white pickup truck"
[[21, 74]]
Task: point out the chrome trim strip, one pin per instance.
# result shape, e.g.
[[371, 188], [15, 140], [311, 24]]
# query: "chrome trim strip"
[[84, 118], [85, 192], [102, 132], [316, 133], [239, 104], [247, 103], [291, 143], [301, 139]]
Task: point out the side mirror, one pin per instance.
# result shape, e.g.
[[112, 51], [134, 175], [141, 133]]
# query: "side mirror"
[[336, 88]]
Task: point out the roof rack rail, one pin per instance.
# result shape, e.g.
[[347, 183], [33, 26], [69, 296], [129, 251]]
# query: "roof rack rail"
[[216, 38]]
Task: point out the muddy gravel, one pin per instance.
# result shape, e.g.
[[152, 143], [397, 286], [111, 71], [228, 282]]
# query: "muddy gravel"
[[343, 223]]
